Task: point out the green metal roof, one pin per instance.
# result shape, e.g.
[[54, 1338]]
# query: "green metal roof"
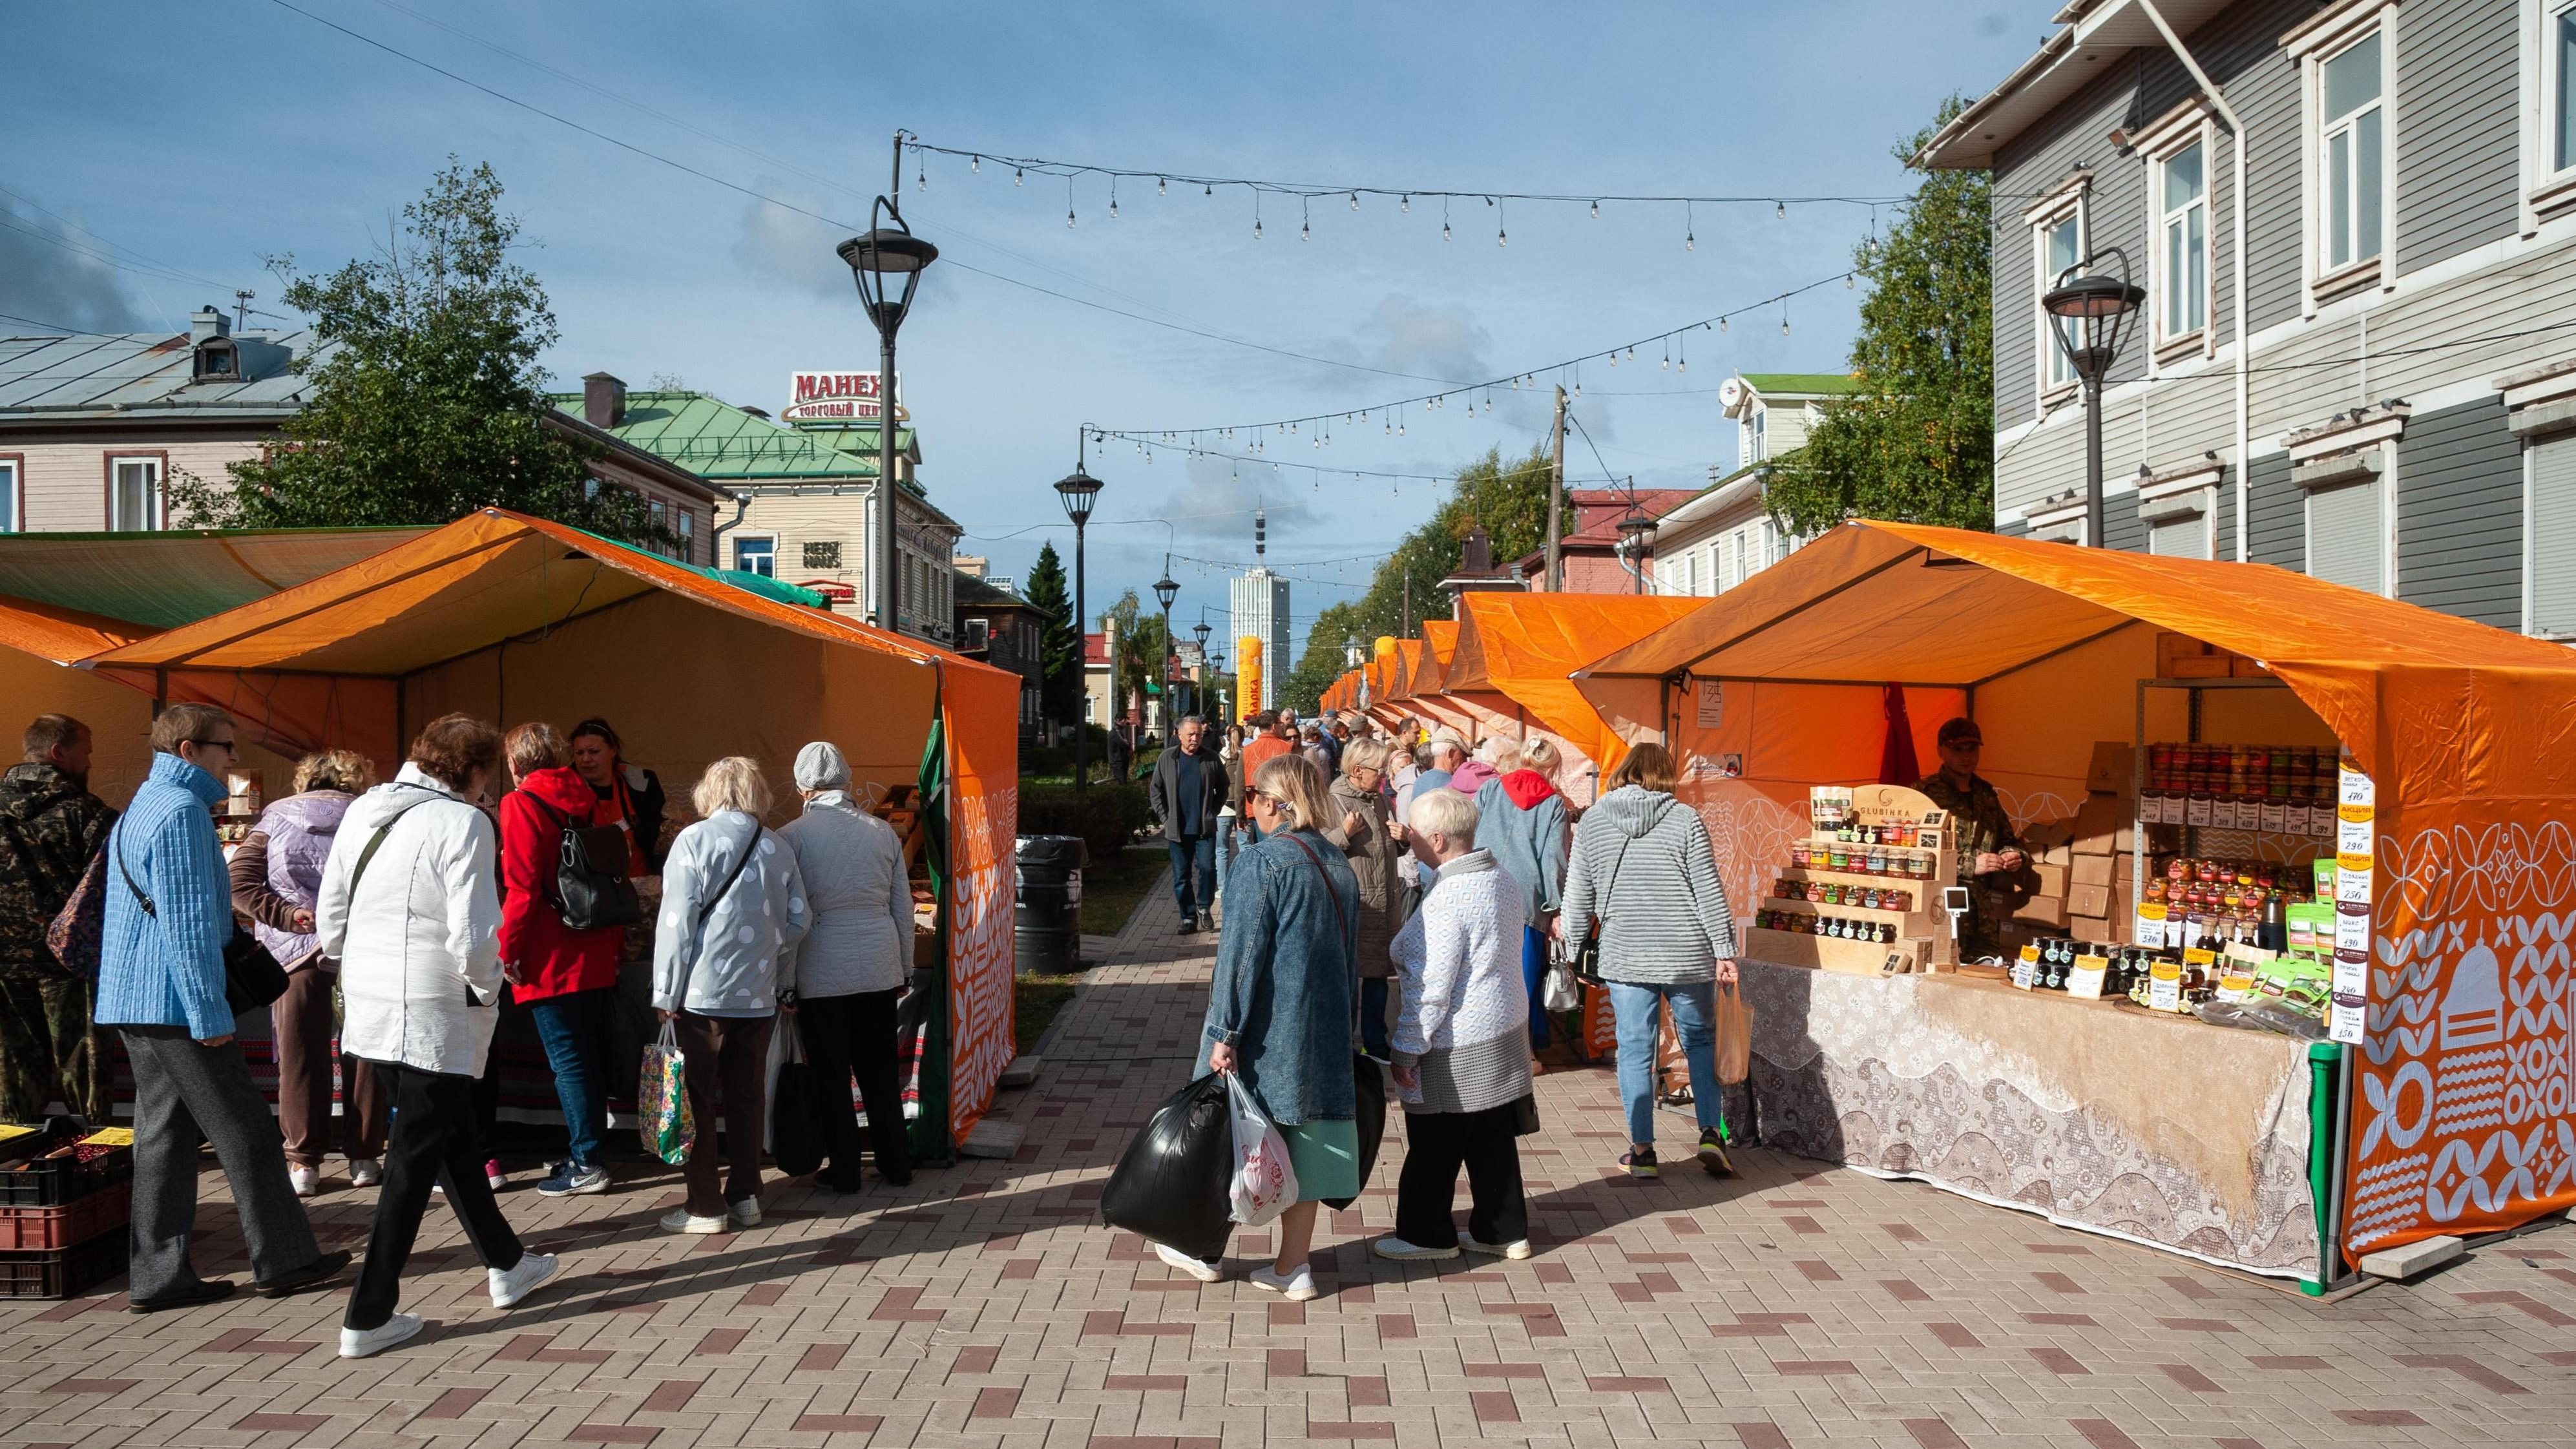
[[724, 444], [743, 579], [178, 576], [1792, 382]]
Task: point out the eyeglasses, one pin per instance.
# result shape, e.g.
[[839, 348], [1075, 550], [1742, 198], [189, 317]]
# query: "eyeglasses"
[[227, 746]]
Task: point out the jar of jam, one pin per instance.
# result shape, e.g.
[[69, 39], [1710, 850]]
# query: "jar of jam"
[[1801, 854], [1839, 858], [1877, 862]]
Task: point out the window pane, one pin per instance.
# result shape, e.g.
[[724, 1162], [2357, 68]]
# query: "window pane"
[[2365, 184], [2566, 118], [8, 497], [133, 496], [2553, 538], [2343, 536], [2062, 240], [2177, 262], [2183, 180], [2339, 199], [2179, 538], [2352, 79], [2196, 281]]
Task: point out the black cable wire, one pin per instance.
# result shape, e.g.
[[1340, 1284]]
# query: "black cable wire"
[[1310, 190]]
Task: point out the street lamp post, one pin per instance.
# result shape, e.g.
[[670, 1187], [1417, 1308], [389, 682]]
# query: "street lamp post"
[[1164, 592], [1079, 490], [1207, 666], [887, 258], [2092, 311], [1636, 537]]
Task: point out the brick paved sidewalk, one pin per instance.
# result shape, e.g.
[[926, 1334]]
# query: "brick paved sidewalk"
[[985, 1305]]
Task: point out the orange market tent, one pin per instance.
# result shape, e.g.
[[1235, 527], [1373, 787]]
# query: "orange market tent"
[[2453, 835], [510, 618]]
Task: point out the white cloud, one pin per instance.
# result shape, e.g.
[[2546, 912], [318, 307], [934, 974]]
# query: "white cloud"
[[793, 247], [1217, 496]]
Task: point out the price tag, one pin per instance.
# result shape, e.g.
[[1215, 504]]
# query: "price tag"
[[2354, 788], [2150, 929], [2294, 818], [2352, 973], [2025, 969], [2348, 1018], [2353, 837], [2164, 986], [2352, 879], [2352, 928], [2085, 982], [2273, 813], [2196, 811]]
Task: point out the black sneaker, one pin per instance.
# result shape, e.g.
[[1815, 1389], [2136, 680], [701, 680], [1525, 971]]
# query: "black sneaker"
[[312, 1275], [1641, 1164], [209, 1290], [1712, 1153], [1189, 925]]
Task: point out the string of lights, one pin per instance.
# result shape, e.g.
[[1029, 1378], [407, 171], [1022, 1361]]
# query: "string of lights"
[[1318, 471], [1674, 343], [1404, 196]]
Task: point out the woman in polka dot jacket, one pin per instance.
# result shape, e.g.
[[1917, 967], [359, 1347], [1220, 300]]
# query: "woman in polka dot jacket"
[[733, 904]]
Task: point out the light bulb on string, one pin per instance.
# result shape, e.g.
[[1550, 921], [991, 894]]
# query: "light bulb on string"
[[1784, 319], [1721, 324], [1159, 186], [1305, 222], [1355, 201], [975, 165], [1596, 211], [1502, 238], [1205, 190], [920, 177], [1406, 205], [1444, 219], [1780, 211]]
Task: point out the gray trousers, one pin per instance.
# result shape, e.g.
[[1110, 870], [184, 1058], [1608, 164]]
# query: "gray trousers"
[[183, 1094]]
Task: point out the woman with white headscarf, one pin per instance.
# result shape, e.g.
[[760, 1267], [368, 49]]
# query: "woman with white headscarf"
[[847, 972]]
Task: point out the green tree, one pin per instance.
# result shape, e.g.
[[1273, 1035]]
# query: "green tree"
[[1916, 444], [1059, 642], [1508, 498], [1143, 645], [426, 400]]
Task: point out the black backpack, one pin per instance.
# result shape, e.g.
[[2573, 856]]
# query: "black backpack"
[[592, 889]]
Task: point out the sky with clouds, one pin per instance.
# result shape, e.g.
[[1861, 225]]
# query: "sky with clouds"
[[208, 136]]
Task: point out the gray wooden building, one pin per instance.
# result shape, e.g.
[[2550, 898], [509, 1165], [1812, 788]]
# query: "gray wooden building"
[[2368, 370]]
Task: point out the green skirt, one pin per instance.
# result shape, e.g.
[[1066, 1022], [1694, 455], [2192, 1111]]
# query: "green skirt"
[[1327, 1158]]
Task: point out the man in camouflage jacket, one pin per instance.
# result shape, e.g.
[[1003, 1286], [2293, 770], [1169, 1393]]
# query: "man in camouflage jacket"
[[1987, 850], [50, 826]]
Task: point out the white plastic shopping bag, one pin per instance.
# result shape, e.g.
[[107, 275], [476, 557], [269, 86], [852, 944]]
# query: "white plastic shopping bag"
[[1265, 1183]]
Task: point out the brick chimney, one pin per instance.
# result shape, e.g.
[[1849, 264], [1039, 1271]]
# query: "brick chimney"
[[603, 400], [1476, 553]]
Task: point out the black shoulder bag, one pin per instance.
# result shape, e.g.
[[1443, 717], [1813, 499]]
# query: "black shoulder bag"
[[1587, 956], [590, 894], [252, 977]]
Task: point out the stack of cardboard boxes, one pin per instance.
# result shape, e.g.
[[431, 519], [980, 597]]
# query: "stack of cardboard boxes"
[[2076, 885]]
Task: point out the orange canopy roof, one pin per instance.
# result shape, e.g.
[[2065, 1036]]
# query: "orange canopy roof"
[[1525, 647], [58, 634]]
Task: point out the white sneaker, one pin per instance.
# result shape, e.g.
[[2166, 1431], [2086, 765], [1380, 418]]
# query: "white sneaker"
[[1404, 1252], [1296, 1288], [745, 1214], [368, 1342], [365, 1172], [305, 1180], [510, 1287], [1515, 1250], [679, 1220], [1180, 1262]]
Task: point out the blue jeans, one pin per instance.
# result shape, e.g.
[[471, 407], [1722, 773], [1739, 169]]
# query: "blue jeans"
[[1201, 851], [1639, 1013], [574, 1028], [1373, 1029], [1534, 972]]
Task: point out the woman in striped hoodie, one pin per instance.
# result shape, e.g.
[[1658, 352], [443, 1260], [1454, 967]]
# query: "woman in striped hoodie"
[[1642, 868]]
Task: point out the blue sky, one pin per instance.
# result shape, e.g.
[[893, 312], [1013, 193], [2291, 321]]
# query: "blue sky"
[[205, 136]]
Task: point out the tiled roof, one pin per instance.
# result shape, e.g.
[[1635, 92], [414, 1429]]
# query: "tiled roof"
[[146, 375], [724, 444]]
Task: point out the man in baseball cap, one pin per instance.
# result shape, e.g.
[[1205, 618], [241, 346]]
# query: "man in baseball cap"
[[1987, 849]]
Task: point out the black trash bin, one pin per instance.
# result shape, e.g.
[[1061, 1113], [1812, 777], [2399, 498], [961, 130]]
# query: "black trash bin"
[[1047, 923]]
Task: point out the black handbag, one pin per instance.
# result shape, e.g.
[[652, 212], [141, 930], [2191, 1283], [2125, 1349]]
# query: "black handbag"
[[1587, 954], [252, 977], [796, 1108], [592, 889]]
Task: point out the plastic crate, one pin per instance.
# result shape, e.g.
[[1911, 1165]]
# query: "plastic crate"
[[28, 1230], [63, 1272], [60, 1181]]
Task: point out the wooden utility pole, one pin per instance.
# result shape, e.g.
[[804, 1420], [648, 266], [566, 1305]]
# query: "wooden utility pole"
[[1556, 499]]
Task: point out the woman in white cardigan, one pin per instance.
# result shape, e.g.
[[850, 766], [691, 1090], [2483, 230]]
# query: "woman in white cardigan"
[[1462, 1059], [410, 907]]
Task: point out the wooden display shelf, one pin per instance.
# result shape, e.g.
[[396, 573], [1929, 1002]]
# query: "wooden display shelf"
[[1907, 922], [1851, 958]]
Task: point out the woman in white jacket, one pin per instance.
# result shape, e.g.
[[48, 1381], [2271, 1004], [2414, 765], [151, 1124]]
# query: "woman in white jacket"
[[410, 908], [733, 904], [845, 976], [1462, 1058]]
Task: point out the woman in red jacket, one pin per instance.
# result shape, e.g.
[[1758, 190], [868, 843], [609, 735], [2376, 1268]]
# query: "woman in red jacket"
[[566, 978]]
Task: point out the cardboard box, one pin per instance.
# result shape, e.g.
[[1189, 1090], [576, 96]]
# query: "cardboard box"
[[2051, 879], [2179, 656], [2094, 870], [2249, 668], [2042, 911], [2100, 825], [2089, 901], [2086, 929], [2060, 856], [2040, 835], [2112, 763]]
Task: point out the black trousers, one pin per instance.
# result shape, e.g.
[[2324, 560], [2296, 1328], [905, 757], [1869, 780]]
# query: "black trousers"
[[843, 1034], [434, 1139], [1438, 1144]]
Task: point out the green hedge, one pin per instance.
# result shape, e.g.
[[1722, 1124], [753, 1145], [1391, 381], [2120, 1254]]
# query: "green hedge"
[[1106, 822]]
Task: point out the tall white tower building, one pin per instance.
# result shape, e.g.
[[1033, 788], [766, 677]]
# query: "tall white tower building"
[[1261, 610]]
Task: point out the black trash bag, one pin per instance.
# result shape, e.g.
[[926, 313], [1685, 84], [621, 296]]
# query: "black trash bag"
[[1368, 1083], [796, 1109], [1170, 1184]]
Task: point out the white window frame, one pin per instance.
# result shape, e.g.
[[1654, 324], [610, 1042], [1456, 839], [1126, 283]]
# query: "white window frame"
[[2069, 200], [2324, 36], [740, 539], [2385, 485], [686, 521], [13, 517], [2549, 188], [2530, 510], [159, 506], [2188, 126]]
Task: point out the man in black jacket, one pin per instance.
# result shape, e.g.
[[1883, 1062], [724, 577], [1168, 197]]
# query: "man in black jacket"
[[50, 826], [1188, 790]]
